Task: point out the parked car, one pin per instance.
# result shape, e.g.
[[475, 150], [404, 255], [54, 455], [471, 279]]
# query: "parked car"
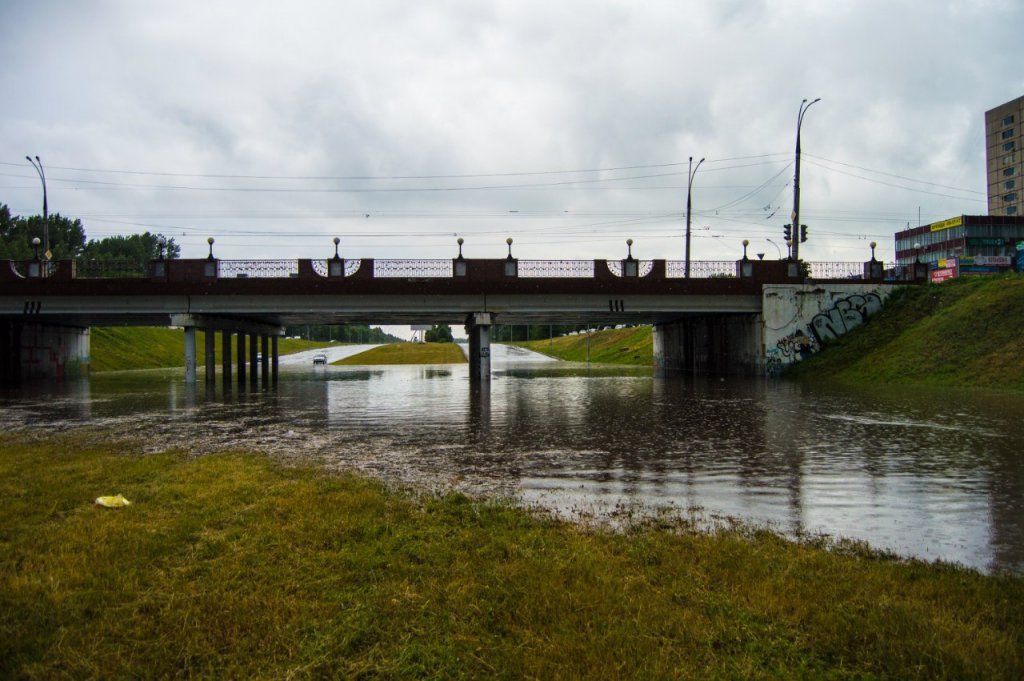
[[320, 358]]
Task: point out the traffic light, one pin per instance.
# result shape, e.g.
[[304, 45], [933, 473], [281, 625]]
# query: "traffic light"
[[787, 231], [803, 233]]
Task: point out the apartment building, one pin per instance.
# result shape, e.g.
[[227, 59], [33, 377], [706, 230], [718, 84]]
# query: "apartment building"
[[1003, 147]]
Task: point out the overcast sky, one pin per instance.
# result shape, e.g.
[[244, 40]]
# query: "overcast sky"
[[398, 126]]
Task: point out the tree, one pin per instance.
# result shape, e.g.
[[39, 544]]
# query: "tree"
[[67, 237], [135, 248], [439, 333]]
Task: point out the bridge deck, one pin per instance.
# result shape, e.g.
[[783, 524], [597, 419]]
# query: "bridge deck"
[[388, 292]]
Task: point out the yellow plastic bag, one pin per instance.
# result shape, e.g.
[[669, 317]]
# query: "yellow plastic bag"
[[113, 502]]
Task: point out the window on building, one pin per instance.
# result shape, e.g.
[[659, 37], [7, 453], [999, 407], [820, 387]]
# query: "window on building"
[[1009, 171], [1008, 146], [1007, 133], [1009, 184], [1007, 120], [1011, 210], [1012, 196]]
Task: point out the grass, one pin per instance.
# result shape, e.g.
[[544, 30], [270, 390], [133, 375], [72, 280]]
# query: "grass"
[[613, 346], [121, 348], [409, 353], [965, 332], [232, 566]]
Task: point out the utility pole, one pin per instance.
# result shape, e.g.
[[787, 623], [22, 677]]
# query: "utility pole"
[[804, 106]]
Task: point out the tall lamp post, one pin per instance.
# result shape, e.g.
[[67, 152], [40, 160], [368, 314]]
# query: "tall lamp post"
[[804, 106], [689, 190], [38, 165]]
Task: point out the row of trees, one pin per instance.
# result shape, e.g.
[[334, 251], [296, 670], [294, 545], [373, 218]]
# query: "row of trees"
[[344, 333], [439, 333], [67, 241]]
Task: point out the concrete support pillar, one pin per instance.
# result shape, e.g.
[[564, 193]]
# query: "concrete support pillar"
[[210, 336], [253, 362], [274, 354], [190, 354], [265, 361], [225, 357], [478, 328], [241, 358]]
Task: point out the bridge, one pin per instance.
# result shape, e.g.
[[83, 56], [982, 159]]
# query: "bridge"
[[47, 308]]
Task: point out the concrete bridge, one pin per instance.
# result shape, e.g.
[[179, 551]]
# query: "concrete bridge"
[[718, 320]]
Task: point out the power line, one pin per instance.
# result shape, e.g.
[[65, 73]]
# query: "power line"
[[389, 177], [899, 177], [897, 186]]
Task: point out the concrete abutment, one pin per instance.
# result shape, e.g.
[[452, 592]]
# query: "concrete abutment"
[[42, 351]]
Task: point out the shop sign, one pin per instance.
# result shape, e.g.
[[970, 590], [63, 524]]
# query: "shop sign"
[[946, 224], [976, 269], [985, 241], [993, 260], [939, 276], [947, 262]]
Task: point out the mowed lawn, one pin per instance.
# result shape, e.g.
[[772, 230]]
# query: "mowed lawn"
[[409, 353], [631, 345]]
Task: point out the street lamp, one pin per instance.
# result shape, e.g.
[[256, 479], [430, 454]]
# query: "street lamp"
[[873, 245], [38, 165], [804, 106], [778, 251], [33, 267], [689, 191]]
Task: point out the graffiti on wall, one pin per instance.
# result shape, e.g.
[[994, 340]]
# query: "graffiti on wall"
[[845, 314], [797, 345]]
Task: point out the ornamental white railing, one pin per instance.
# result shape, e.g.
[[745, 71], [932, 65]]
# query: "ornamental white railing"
[[412, 269], [555, 269]]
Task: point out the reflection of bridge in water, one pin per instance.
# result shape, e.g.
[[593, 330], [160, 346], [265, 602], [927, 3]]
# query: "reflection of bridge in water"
[[704, 324]]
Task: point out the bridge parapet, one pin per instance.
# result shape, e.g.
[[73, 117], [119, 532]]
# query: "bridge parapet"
[[340, 270]]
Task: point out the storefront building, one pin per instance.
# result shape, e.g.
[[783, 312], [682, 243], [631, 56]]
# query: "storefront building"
[[964, 245]]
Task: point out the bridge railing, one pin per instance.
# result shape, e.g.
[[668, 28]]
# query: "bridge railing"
[[700, 269], [109, 269], [413, 269], [419, 268]]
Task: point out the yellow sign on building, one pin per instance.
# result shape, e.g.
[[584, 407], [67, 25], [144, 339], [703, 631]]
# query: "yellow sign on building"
[[946, 224]]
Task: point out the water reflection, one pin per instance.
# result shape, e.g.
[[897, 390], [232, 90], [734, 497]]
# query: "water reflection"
[[918, 472]]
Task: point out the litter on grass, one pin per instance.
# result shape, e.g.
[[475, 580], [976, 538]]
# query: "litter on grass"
[[112, 502]]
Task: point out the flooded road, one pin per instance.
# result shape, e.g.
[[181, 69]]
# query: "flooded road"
[[927, 473]]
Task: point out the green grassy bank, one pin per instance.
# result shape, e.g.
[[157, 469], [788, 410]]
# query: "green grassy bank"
[[964, 332], [409, 353], [612, 346], [140, 347], [232, 566]]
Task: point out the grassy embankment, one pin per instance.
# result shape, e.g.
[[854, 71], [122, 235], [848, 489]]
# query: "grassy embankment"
[[232, 566], [409, 353], [964, 332], [613, 346], [138, 347]]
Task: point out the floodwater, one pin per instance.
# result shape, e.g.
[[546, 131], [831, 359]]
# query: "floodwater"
[[930, 473]]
